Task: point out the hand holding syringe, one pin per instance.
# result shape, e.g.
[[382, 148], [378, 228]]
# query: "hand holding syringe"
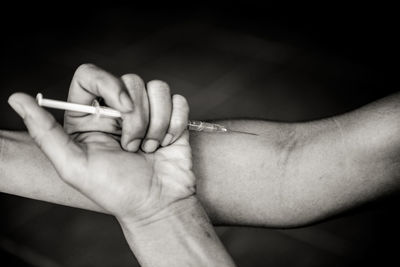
[[199, 126]]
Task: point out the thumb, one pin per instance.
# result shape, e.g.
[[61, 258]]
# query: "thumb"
[[45, 131]]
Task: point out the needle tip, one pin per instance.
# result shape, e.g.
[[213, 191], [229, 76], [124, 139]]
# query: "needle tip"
[[242, 132]]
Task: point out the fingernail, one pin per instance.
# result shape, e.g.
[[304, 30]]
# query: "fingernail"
[[126, 101], [133, 145], [150, 145], [17, 107], [167, 139]]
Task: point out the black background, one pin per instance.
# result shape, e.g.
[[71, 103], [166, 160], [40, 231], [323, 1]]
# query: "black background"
[[349, 58]]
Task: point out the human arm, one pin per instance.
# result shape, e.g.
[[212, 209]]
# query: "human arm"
[[151, 194], [288, 175], [188, 235], [300, 173], [44, 183]]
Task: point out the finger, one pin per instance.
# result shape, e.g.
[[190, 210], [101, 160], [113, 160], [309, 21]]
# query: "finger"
[[91, 123], [160, 114], [90, 82], [179, 119], [78, 124], [47, 133], [134, 124]]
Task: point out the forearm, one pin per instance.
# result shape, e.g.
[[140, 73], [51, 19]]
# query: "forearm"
[[288, 175], [25, 171], [182, 236], [231, 169]]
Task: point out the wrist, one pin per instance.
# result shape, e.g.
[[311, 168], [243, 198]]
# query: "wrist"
[[164, 215], [180, 236]]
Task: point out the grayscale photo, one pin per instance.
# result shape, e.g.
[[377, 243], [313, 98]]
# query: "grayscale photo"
[[242, 135]]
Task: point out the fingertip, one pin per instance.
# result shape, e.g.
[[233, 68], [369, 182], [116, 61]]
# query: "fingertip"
[[133, 146], [18, 97], [179, 117], [180, 98], [20, 102], [167, 139], [13, 97], [150, 145], [132, 81], [160, 113], [157, 84]]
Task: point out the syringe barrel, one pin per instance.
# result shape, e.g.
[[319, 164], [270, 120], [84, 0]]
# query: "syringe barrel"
[[202, 126]]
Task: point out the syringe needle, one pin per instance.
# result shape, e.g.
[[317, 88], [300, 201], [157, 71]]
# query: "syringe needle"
[[234, 131]]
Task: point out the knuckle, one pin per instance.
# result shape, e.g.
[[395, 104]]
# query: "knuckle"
[[132, 79], [157, 85], [178, 97], [109, 83], [181, 102], [84, 68]]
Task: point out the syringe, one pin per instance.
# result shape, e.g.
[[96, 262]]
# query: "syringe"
[[199, 126], [208, 127]]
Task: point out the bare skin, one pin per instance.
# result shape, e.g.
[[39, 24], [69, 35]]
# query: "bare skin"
[[289, 175], [151, 193]]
